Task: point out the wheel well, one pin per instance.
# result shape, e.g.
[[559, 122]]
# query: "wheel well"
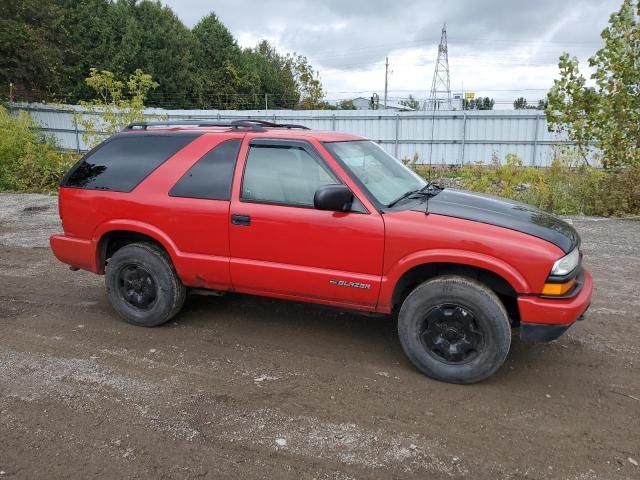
[[113, 241], [421, 273]]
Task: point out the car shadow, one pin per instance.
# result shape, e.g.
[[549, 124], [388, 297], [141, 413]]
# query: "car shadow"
[[325, 331], [289, 325]]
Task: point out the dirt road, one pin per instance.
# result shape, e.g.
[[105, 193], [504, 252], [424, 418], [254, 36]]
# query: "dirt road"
[[242, 387]]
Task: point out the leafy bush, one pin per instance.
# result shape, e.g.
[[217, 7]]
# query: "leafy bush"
[[117, 104], [567, 187], [29, 161]]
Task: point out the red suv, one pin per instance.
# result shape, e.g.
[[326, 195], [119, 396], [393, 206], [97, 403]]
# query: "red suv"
[[324, 217]]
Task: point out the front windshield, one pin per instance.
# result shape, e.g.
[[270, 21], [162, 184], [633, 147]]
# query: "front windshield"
[[386, 178]]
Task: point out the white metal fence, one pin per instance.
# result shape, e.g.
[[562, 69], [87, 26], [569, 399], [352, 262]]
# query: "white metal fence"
[[445, 137]]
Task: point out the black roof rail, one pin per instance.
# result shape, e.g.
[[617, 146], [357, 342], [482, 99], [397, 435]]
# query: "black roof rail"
[[264, 123], [192, 123], [249, 123]]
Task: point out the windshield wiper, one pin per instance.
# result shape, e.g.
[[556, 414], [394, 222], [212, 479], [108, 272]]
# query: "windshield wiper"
[[426, 190], [402, 197]]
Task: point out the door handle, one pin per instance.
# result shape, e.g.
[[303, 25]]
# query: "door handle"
[[242, 220]]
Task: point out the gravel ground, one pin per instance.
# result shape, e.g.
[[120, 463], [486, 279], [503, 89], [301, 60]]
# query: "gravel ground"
[[244, 387]]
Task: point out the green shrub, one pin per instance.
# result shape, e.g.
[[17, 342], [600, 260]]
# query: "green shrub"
[[117, 104], [29, 162], [566, 187]]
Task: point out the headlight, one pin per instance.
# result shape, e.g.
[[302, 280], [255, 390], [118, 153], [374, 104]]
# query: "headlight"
[[566, 264]]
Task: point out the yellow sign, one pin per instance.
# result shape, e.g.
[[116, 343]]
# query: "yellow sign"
[[469, 95]]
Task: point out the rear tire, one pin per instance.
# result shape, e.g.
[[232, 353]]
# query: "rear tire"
[[142, 285], [454, 329]]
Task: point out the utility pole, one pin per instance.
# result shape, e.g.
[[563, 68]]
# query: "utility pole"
[[266, 101], [386, 80], [440, 96], [11, 92]]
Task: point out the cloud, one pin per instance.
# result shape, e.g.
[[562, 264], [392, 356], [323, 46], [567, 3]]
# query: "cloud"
[[493, 45]]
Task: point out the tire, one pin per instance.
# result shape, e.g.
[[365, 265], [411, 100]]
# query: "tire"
[[454, 329], [142, 285]]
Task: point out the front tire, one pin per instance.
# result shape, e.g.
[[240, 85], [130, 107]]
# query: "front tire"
[[142, 285], [454, 329]]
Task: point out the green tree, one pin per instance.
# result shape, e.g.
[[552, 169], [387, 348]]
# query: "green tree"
[[487, 104], [346, 104], [606, 116], [571, 106], [480, 103], [270, 74], [153, 39], [411, 102], [308, 83], [222, 78], [520, 103], [47, 49], [617, 76], [31, 51], [89, 40], [118, 103]]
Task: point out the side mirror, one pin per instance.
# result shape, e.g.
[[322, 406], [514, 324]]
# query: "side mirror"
[[337, 198]]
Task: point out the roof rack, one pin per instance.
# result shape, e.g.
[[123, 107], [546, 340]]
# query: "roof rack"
[[264, 123], [249, 124]]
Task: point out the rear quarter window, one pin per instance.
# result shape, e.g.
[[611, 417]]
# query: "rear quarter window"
[[210, 177], [122, 162]]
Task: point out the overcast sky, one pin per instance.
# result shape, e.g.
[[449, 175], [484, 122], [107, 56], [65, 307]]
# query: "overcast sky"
[[500, 48]]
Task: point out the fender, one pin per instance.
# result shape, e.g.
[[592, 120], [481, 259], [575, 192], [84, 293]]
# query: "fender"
[[461, 257], [138, 227]]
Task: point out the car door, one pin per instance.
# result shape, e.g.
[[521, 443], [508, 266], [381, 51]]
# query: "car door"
[[282, 246]]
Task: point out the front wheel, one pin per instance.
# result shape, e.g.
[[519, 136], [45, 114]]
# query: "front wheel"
[[142, 285], [454, 329]]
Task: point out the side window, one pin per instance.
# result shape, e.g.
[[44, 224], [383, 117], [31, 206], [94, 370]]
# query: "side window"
[[122, 162], [283, 174], [211, 176]]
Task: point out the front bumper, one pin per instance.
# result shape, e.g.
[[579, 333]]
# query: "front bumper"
[[545, 319]]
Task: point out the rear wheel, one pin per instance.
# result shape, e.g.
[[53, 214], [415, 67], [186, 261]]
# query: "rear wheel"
[[454, 329], [142, 285]]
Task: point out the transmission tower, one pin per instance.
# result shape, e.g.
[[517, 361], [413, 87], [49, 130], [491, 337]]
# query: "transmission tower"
[[440, 96]]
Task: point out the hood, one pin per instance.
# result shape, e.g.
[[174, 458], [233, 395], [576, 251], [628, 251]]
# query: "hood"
[[504, 213]]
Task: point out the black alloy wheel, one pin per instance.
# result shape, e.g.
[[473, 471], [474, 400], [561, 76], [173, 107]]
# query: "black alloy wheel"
[[137, 287], [451, 334]]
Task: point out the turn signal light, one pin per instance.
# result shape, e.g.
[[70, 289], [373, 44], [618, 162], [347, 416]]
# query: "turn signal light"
[[556, 289]]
